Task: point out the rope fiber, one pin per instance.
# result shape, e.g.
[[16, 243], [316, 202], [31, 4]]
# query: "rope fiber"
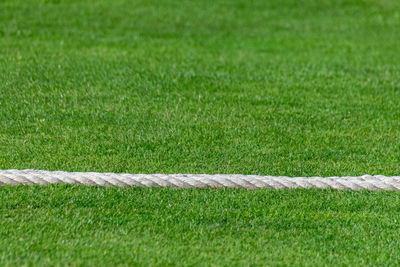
[[39, 177]]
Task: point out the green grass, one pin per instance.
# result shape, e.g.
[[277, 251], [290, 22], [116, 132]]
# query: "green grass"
[[277, 87], [67, 225], [294, 88]]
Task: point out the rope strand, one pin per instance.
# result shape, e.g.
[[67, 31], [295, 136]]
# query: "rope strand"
[[39, 177]]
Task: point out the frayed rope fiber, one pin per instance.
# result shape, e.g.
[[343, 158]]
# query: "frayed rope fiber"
[[38, 177]]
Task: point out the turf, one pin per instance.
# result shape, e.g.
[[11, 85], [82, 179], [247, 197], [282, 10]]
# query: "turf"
[[66, 225], [294, 88], [288, 87]]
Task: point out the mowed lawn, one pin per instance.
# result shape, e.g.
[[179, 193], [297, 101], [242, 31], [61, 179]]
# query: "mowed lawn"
[[83, 226], [288, 87]]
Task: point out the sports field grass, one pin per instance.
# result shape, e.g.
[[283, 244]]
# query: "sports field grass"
[[82, 226], [294, 88], [288, 87]]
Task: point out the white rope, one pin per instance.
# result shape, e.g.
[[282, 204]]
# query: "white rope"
[[37, 177]]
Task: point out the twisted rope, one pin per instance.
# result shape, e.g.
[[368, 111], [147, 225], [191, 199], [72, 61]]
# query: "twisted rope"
[[37, 177]]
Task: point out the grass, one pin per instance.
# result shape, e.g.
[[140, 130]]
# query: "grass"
[[288, 87], [65, 225], [295, 88]]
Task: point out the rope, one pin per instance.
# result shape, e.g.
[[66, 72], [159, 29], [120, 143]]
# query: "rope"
[[38, 177]]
